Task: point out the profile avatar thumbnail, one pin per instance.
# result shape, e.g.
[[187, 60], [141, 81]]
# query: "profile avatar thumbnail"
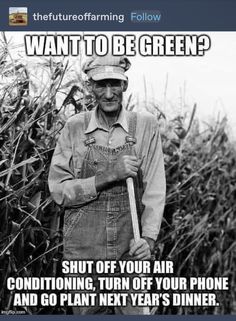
[[18, 16]]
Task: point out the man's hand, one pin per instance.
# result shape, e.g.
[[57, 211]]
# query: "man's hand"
[[140, 250], [125, 166]]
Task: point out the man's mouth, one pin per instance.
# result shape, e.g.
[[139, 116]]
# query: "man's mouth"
[[109, 101]]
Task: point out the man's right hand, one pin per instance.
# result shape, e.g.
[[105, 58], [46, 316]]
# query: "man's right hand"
[[125, 166]]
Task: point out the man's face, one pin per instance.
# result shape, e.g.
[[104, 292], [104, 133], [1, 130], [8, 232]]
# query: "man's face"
[[109, 94]]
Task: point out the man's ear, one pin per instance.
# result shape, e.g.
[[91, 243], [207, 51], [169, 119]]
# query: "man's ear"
[[125, 85], [89, 85]]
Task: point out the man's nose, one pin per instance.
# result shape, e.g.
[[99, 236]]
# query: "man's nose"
[[108, 92]]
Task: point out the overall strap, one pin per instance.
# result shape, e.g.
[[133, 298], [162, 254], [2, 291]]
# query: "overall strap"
[[87, 117], [89, 138], [132, 128]]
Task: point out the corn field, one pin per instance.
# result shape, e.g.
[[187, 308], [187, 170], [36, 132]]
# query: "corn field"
[[199, 227]]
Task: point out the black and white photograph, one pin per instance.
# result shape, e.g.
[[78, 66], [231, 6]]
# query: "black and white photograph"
[[118, 173]]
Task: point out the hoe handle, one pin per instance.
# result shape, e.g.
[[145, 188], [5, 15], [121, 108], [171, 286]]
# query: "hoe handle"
[[133, 209]]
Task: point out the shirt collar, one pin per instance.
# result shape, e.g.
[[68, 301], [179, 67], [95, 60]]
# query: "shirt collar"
[[94, 123]]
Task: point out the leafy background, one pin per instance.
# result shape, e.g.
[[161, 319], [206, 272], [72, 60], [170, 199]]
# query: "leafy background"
[[198, 230]]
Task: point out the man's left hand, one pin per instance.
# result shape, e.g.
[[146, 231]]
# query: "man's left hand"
[[140, 250]]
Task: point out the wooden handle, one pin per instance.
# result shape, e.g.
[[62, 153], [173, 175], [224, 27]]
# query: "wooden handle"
[[134, 217], [133, 209]]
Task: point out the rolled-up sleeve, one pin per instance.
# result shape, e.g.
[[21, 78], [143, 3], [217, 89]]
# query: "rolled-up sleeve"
[[66, 189], [154, 185]]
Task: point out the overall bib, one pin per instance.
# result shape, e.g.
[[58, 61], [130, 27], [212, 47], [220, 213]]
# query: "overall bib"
[[102, 229]]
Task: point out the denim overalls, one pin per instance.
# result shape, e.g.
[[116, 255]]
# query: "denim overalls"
[[102, 228]]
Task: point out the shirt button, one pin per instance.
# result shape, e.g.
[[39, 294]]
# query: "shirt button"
[[109, 142]]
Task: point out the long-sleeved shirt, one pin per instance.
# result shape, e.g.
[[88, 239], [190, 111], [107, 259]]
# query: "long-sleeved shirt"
[[69, 190]]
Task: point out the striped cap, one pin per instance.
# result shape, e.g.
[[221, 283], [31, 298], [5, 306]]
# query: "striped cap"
[[106, 67]]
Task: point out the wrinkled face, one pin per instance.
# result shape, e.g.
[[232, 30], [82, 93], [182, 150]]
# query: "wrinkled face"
[[109, 94]]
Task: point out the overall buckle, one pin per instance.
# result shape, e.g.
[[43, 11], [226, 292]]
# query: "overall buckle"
[[131, 140], [89, 141]]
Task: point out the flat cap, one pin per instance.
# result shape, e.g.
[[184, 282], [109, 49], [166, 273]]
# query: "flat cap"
[[106, 67]]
